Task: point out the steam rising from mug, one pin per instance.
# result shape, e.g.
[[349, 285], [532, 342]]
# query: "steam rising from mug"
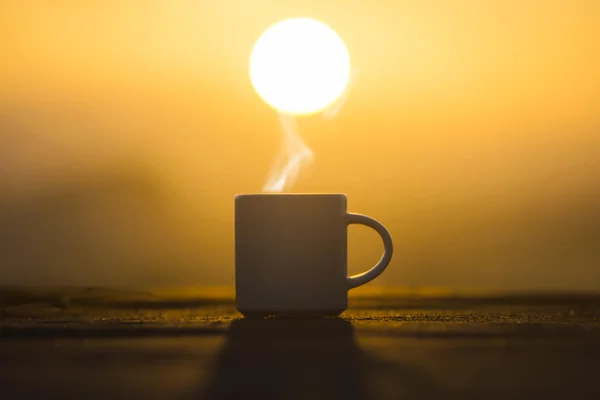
[[294, 154], [299, 66]]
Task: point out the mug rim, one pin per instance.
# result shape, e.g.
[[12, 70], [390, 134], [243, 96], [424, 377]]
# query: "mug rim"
[[237, 196]]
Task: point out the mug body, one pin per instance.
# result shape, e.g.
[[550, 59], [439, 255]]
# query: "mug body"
[[290, 254]]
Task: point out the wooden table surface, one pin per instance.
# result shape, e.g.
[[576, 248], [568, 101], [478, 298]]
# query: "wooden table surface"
[[389, 344]]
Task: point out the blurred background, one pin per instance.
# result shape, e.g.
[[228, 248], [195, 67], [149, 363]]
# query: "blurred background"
[[472, 131]]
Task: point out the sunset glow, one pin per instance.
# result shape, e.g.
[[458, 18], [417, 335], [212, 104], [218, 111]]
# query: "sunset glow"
[[472, 129], [299, 66]]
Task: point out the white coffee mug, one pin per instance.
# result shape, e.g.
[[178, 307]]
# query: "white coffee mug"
[[291, 254]]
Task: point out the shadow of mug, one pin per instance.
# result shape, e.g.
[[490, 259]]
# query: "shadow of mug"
[[289, 359]]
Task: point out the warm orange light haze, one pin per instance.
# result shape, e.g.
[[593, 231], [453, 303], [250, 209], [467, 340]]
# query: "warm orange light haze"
[[472, 132]]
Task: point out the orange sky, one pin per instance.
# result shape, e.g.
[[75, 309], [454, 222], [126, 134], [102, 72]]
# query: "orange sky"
[[472, 131]]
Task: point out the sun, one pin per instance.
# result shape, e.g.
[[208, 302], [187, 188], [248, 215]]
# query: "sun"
[[299, 66]]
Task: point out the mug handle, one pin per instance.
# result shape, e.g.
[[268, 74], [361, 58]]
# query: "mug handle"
[[388, 249]]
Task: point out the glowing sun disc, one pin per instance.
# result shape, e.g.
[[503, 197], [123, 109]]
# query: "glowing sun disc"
[[299, 66]]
